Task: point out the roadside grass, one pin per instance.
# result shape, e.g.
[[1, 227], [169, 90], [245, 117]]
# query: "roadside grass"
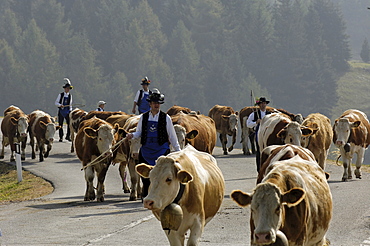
[[30, 188]]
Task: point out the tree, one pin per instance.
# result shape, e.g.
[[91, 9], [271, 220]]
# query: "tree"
[[365, 51]]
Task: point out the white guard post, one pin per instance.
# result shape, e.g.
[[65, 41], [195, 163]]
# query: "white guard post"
[[18, 161]]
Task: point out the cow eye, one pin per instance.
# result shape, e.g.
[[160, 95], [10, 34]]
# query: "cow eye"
[[277, 211], [168, 180]]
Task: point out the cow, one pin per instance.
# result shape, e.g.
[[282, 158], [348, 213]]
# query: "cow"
[[226, 120], [93, 144], [191, 179], [14, 127], [318, 142], [42, 127], [198, 130], [278, 128], [75, 118], [102, 114], [248, 133], [274, 153], [351, 134], [293, 203], [176, 109]]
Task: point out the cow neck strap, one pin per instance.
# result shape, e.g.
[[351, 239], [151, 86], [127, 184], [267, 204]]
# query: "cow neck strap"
[[179, 194]]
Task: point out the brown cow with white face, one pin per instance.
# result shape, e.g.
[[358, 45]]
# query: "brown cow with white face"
[[226, 120], [318, 142], [195, 129], [42, 127], [292, 203], [95, 138], [75, 118], [203, 190], [14, 128], [351, 134]]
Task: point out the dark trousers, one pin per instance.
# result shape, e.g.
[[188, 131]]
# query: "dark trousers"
[[146, 181], [61, 120]]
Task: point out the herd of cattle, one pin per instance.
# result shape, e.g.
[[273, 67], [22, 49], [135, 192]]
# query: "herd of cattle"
[[291, 204]]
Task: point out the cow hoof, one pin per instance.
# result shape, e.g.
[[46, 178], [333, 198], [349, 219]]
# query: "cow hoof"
[[349, 177], [46, 155], [101, 199], [23, 158], [126, 191], [344, 179], [33, 156], [225, 152], [358, 177], [2, 157], [133, 198], [231, 149], [12, 159]]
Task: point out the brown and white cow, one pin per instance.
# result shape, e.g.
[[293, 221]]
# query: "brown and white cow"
[[351, 134], [14, 128], [75, 118], [42, 127], [95, 138], [293, 201], [176, 109], [102, 114], [278, 128], [319, 142], [203, 190], [197, 130], [226, 120]]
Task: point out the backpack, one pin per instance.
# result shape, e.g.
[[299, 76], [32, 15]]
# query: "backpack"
[[141, 96]]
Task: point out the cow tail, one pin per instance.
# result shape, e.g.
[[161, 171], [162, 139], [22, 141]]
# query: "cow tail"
[[339, 156]]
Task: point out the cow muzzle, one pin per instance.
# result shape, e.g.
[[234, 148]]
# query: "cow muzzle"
[[23, 135], [51, 140], [269, 239]]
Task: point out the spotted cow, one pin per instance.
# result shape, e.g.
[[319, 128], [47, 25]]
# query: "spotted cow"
[[75, 118]]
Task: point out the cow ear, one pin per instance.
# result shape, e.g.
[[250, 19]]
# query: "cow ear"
[[225, 117], [192, 134], [14, 121], [42, 124], [241, 198], [306, 131], [90, 132], [293, 197], [281, 133], [116, 127], [122, 133], [184, 177], [143, 170], [356, 124]]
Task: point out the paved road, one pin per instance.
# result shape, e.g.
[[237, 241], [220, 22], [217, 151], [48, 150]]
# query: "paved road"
[[63, 218]]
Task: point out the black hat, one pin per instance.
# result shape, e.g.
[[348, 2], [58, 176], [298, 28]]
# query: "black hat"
[[145, 81], [261, 100], [156, 96], [68, 84]]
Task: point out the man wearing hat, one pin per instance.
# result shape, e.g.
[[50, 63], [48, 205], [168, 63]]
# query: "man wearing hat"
[[141, 96], [101, 105], [157, 133], [254, 121], [64, 103]]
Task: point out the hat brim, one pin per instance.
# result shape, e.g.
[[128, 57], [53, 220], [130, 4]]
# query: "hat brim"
[[70, 87], [267, 102], [144, 83], [160, 102]]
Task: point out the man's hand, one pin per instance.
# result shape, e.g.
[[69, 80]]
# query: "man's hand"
[[258, 121], [129, 136]]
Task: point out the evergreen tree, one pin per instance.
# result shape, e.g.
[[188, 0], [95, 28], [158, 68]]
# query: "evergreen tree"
[[365, 51]]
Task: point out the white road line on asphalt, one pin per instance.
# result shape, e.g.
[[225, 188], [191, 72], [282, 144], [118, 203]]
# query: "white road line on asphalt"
[[129, 226]]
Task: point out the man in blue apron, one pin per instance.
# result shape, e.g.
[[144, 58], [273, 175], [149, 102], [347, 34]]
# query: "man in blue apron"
[[141, 97], [64, 103], [254, 121], [157, 133]]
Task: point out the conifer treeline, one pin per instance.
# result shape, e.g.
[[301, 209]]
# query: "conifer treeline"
[[197, 52]]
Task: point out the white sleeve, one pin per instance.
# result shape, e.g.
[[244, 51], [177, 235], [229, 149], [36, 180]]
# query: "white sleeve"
[[172, 134], [70, 103], [250, 123], [137, 96], [139, 127], [57, 101]]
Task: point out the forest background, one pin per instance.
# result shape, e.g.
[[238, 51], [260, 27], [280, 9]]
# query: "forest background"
[[197, 52]]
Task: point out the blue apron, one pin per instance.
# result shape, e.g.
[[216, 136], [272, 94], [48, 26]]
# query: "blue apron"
[[151, 150], [144, 104], [65, 111]]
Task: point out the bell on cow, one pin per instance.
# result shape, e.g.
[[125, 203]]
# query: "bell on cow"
[[281, 239], [171, 217]]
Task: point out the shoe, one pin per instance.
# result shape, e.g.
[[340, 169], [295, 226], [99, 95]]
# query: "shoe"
[[60, 140], [69, 139]]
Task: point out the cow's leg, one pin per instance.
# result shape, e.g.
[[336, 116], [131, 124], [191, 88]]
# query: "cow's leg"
[[176, 238], [89, 177], [252, 139], [101, 171], [72, 139], [135, 182], [48, 150], [32, 143], [41, 150], [233, 141], [196, 231], [23, 148], [244, 141], [346, 166], [5, 143], [359, 161], [223, 139], [123, 175]]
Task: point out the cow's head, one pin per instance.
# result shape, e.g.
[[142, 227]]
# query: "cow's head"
[[293, 132], [183, 137], [50, 130], [135, 145], [305, 139], [165, 178], [22, 125], [232, 121], [267, 209], [104, 136], [342, 130]]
